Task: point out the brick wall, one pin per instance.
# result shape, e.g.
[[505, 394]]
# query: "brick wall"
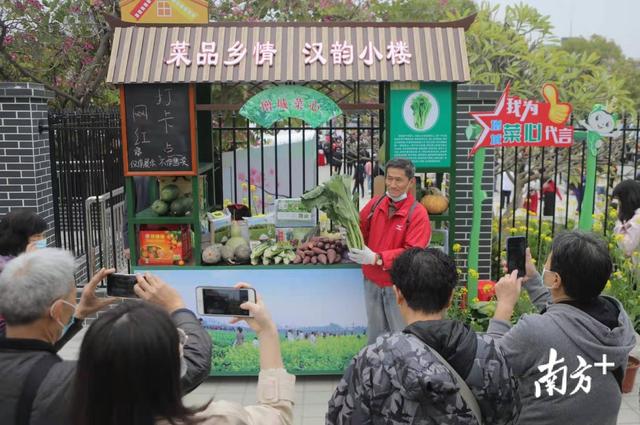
[[25, 171], [474, 98]]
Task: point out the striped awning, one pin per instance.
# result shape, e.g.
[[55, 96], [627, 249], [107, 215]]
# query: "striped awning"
[[242, 52]]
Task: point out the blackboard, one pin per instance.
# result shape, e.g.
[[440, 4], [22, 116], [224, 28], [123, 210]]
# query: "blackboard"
[[158, 130]]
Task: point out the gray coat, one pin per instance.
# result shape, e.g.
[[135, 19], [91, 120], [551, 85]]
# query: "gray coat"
[[590, 331], [51, 403], [397, 380]]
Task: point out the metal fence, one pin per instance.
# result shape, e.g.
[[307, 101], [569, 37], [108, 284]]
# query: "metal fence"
[[86, 163], [255, 166], [546, 186]]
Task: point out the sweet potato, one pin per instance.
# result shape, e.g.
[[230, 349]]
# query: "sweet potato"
[[320, 245], [331, 255], [297, 260], [306, 260], [322, 258], [318, 251], [314, 260], [300, 252], [309, 252], [338, 258]]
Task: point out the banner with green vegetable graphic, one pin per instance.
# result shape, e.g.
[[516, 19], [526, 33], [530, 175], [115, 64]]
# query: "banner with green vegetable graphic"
[[420, 126]]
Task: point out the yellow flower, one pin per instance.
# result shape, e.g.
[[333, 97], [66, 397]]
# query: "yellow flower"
[[459, 271], [464, 290], [608, 285], [253, 188], [533, 260], [610, 246], [613, 213], [456, 247], [618, 237], [522, 228], [473, 274], [475, 300], [244, 185], [618, 274], [244, 200], [226, 203], [597, 226], [513, 230]]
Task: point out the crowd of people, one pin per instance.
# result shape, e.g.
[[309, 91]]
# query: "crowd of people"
[[138, 359]]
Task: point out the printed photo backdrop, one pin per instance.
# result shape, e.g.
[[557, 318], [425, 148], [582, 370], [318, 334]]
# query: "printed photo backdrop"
[[319, 313]]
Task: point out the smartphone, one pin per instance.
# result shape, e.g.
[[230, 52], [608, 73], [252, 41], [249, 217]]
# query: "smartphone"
[[516, 254], [121, 285], [223, 301]]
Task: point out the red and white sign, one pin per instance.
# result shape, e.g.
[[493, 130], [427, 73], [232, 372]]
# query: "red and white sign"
[[517, 122]]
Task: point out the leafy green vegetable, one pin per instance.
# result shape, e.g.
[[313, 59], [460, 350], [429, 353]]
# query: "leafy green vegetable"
[[420, 105], [335, 199]]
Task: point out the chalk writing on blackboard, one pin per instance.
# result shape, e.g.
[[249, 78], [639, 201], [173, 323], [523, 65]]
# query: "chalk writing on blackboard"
[[158, 131]]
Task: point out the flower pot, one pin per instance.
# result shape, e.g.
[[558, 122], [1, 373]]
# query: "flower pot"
[[630, 375]]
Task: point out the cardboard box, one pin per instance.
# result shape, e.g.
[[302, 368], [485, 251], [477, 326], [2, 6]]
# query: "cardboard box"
[[261, 225], [294, 233], [289, 212], [219, 225], [170, 245]]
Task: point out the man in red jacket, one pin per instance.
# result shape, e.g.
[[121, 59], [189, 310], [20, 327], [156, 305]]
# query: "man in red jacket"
[[390, 224]]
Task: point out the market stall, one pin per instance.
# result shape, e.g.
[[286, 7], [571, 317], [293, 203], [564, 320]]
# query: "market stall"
[[228, 120]]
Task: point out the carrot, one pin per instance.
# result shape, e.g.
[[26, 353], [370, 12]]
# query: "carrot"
[[322, 259]]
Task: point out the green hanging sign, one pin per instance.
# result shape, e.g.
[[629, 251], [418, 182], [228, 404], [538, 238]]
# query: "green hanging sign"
[[281, 102]]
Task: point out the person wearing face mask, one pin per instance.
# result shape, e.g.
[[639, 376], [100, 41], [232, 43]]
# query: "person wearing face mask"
[[38, 301], [20, 230], [390, 224], [626, 199], [577, 322]]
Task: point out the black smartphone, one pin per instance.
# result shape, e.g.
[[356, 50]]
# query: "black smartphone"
[[121, 285], [517, 254], [223, 301]]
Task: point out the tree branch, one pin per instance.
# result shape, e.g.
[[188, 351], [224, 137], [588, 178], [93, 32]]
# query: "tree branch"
[[35, 79]]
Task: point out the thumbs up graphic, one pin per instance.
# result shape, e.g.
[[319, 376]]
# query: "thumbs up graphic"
[[558, 112]]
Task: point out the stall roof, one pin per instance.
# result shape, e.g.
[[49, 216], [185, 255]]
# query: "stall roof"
[[361, 52]]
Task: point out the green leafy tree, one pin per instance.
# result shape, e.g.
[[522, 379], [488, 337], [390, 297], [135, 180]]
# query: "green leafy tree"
[[64, 44]]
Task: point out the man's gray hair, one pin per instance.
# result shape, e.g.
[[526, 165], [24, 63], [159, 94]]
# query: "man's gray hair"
[[403, 164], [31, 282]]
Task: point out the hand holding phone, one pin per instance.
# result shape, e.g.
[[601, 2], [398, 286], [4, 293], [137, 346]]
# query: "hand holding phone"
[[121, 285], [516, 255], [224, 301]]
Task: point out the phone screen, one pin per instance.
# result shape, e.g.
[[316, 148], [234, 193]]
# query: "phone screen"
[[121, 285], [224, 302], [516, 254]]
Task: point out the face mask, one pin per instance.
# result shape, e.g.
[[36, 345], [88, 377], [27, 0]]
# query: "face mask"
[[399, 198], [41, 243], [66, 327]]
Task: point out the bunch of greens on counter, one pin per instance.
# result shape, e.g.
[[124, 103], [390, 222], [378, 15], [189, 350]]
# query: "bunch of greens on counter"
[[420, 105], [335, 199]]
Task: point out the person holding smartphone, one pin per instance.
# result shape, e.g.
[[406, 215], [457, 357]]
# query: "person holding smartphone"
[[576, 324], [130, 362], [390, 224], [38, 299]]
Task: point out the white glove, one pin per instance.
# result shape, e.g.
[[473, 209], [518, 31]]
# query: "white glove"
[[362, 256]]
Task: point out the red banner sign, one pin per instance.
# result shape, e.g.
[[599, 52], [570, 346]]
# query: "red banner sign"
[[517, 122]]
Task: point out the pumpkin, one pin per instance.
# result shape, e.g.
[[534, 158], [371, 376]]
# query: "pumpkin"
[[434, 201]]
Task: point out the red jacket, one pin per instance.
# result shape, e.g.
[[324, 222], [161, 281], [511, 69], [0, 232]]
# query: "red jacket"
[[389, 236]]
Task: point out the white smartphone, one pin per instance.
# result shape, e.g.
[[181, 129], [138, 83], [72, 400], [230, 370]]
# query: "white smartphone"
[[223, 300]]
